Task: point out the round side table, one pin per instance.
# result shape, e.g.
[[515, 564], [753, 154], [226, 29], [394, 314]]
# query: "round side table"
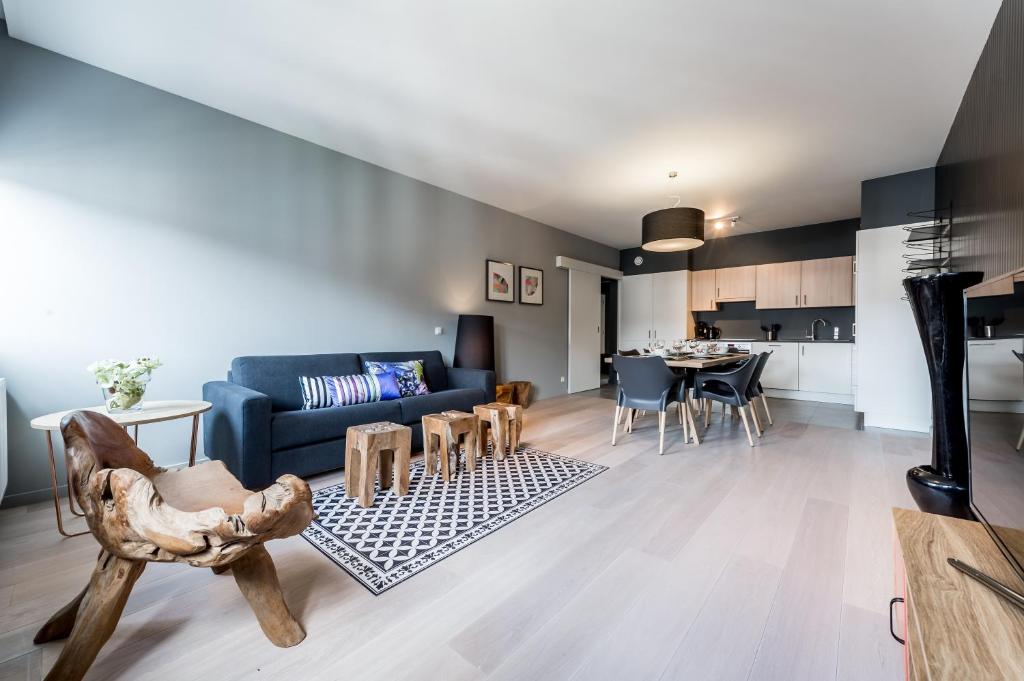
[[152, 411]]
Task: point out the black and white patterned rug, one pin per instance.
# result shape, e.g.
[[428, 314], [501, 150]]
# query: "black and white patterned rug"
[[399, 537]]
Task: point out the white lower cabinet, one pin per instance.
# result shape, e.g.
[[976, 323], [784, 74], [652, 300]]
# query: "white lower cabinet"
[[993, 370], [782, 370], [826, 368]]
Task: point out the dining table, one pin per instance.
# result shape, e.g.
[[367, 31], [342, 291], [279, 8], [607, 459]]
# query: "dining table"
[[697, 361]]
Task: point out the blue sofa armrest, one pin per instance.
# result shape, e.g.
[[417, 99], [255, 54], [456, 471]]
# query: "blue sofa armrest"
[[481, 379], [237, 431]]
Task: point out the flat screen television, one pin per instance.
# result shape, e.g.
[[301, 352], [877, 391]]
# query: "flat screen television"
[[995, 424]]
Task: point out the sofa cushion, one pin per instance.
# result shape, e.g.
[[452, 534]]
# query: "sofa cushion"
[[433, 365], [277, 376], [416, 407], [304, 427]]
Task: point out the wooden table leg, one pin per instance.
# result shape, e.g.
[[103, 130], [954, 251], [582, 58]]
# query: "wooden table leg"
[[515, 433], [351, 468], [367, 474], [444, 441], [499, 431], [192, 449], [429, 451], [387, 465], [481, 437], [471, 449], [56, 493], [403, 453]]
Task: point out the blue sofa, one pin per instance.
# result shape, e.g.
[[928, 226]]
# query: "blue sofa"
[[258, 428]]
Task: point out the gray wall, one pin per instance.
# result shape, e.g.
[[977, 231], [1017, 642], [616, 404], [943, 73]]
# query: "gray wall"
[[135, 222], [886, 201]]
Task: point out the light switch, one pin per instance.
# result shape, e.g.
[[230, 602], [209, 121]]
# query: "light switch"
[[438, 330]]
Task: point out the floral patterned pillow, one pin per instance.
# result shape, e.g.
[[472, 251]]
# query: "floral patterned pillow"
[[408, 374]]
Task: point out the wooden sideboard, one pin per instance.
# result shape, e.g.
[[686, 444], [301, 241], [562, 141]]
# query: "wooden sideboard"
[[955, 628]]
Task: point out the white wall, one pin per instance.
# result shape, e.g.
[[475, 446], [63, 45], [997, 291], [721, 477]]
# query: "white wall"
[[893, 390]]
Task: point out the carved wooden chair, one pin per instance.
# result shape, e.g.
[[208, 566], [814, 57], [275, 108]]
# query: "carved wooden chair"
[[139, 512]]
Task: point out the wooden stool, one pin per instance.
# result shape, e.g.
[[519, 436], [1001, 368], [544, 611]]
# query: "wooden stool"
[[506, 423], [387, 445], [441, 431]]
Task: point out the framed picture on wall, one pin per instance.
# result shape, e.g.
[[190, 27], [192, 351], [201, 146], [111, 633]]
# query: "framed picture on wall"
[[531, 286], [500, 277]]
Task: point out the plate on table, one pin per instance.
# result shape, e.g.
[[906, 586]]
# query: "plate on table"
[[700, 355]]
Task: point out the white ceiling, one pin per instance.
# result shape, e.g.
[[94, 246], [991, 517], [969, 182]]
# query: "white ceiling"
[[570, 112]]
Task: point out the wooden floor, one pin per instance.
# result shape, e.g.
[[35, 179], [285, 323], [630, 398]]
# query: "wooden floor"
[[714, 562]]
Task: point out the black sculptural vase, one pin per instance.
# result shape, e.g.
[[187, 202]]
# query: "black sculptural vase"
[[938, 304]]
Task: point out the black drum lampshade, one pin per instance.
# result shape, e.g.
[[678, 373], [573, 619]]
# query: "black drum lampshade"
[[673, 229], [474, 342]]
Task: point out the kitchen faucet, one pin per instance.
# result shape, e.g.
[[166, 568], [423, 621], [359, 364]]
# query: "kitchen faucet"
[[814, 326]]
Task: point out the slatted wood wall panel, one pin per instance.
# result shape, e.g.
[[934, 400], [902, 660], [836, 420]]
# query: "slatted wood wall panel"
[[981, 167]]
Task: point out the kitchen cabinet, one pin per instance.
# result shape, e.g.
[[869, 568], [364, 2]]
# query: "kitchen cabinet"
[[782, 370], [652, 307], [735, 283], [703, 291], [993, 371], [826, 282], [826, 368], [778, 285]]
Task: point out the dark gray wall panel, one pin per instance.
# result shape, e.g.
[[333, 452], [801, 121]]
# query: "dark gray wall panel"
[[885, 201], [981, 168], [823, 240]]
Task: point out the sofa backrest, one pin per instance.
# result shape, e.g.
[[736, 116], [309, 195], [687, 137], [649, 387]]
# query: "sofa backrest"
[[433, 365], [277, 376]]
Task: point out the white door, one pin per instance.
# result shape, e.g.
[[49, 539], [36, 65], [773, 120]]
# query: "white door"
[[782, 370], [826, 368], [584, 331], [669, 303], [635, 312]]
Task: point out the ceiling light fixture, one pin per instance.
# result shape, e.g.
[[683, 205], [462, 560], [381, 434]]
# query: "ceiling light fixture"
[[721, 222], [673, 229]]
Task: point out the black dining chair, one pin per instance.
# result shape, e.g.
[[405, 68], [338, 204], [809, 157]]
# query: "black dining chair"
[[728, 388], [756, 392], [684, 405], [645, 383], [1020, 440]]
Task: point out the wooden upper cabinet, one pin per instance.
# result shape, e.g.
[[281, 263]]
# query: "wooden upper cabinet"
[[827, 282], [778, 285], [735, 283], [702, 291]]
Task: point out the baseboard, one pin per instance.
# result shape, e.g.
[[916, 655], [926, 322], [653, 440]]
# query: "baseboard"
[[808, 396], [45, 494]]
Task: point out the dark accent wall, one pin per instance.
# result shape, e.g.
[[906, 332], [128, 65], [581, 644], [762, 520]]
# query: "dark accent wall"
[[981, 168], [808, 242], [743, 320], [886, 201]]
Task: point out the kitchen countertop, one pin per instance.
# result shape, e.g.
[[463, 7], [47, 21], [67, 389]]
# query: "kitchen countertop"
[[782, 340]]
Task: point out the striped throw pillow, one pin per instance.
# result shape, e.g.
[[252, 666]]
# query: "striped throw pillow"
[[314, 392], [355, 389]]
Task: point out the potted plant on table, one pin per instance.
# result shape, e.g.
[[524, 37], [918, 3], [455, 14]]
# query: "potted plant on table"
[[123, 383]]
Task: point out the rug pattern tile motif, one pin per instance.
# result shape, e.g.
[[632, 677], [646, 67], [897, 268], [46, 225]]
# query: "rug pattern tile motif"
[[398, 537]]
